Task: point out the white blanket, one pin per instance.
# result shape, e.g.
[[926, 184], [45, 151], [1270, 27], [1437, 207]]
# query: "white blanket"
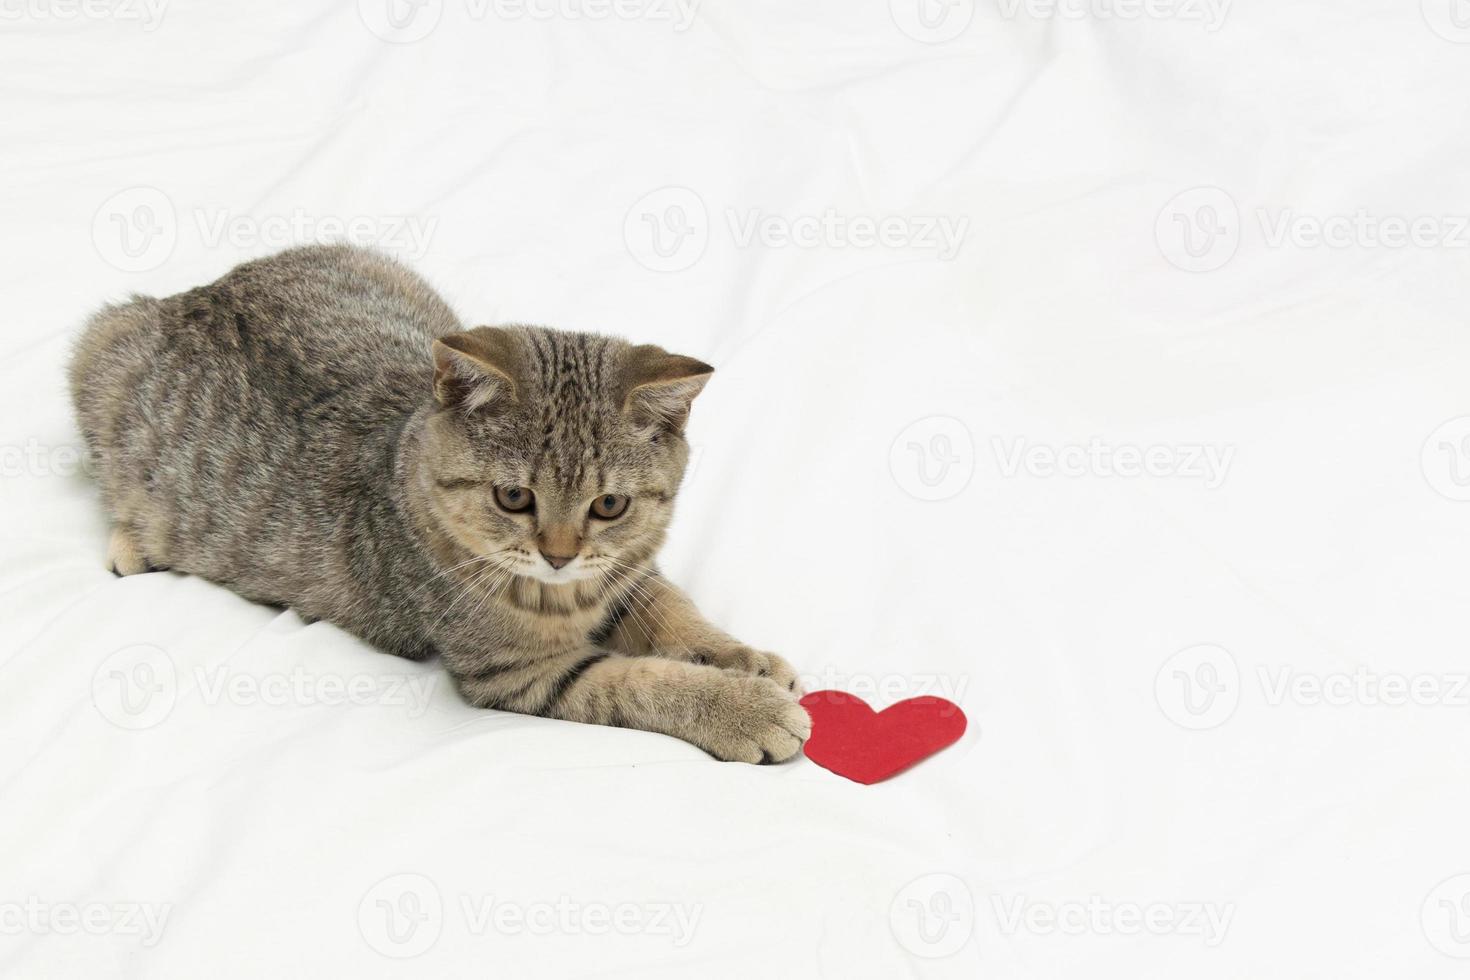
[[1097, 365]]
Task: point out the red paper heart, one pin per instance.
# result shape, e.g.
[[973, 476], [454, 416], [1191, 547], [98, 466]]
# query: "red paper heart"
[[853, 740]]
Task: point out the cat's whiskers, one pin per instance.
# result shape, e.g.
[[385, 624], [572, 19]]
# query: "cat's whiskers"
[[465, 589], [451, 569], [505, 574], [468, 579], [646, 602], [487, 575]]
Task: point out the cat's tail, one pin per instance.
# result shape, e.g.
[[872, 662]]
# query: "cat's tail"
[[115, 344]]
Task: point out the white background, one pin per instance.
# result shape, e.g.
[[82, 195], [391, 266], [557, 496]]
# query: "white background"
[[1182, 231]]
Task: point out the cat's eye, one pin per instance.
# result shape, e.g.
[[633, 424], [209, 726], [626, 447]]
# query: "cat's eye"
[[514, 499], [609, 506]]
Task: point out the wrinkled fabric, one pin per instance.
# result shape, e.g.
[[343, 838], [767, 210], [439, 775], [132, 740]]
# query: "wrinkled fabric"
[[1072, 367]]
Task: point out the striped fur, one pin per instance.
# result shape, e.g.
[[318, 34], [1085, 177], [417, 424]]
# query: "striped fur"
[[317, 430]]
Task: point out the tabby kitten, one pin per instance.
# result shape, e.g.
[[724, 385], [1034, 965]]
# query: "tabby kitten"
[[317, 430]]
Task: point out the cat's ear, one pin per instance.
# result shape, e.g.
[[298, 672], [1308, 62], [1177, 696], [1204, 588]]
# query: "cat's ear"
[[661, 386], [475, 369]]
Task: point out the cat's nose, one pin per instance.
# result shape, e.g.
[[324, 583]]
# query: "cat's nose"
[[558, 544]]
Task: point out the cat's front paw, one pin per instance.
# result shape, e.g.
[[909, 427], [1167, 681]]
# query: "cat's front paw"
[[748, 660], [125, 555], [754, 720]]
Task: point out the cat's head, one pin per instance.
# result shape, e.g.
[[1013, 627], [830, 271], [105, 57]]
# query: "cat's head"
[[558, 453]]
